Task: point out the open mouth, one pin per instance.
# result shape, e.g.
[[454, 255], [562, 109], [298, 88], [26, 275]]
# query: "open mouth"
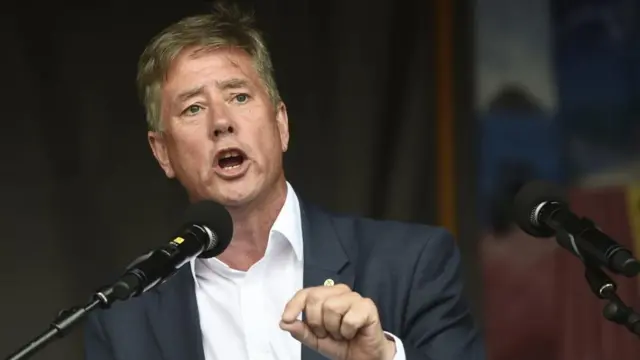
[[230, 159]]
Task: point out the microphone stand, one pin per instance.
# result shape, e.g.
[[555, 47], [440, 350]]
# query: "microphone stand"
[[70, 317], [64, 322], [58, 328], [615, 310]]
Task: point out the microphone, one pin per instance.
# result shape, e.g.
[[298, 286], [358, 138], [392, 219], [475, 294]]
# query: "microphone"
[[206, 232], [541, 210]]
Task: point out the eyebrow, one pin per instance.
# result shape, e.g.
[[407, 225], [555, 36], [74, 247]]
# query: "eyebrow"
[[186, 95], [235, 83]]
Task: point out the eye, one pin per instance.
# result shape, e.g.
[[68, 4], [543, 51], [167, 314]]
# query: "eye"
[[192, 109], [241, 98]]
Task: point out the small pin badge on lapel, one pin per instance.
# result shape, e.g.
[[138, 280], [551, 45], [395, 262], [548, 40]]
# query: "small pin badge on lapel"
[[329, 282]]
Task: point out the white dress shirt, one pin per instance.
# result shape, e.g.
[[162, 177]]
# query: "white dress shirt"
[[240, 311]]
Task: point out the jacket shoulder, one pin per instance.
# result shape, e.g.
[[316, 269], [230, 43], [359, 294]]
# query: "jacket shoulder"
[[366, 235]]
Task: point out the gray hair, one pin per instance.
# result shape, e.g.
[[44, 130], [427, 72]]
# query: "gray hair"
[[226, 26]]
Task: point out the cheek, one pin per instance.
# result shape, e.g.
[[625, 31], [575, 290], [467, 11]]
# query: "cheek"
[[191, 152], [268, 140]]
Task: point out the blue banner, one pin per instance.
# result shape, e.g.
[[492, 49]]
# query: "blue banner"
[[597, 73]]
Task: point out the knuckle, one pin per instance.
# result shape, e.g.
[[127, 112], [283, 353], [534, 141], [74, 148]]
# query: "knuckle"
[[354, 296], [299, 296], [314, 297], [313, 308], [349, 322], [313, 319], [343, 287], [330, 304], [301, 292], [369, 304], [314, 322]]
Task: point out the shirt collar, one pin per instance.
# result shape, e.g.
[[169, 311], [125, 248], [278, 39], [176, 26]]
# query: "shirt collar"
[[288, 224]]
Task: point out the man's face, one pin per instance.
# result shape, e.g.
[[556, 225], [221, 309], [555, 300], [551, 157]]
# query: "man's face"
[[223, 139]]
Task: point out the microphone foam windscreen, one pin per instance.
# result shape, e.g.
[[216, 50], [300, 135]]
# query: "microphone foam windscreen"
[[215, 217], [530, 196]]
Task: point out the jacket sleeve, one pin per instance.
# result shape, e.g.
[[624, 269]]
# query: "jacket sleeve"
[[438, 322]]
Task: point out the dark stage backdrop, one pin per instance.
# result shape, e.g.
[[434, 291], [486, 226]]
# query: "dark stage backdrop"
[[81, 195]]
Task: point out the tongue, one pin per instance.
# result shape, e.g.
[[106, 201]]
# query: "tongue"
[[230, 161]]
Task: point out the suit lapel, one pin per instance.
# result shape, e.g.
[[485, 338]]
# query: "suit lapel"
[[324, 256], [173, 315]]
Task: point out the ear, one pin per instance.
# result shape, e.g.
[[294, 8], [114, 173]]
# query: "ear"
[[159, 147], [282, 121]]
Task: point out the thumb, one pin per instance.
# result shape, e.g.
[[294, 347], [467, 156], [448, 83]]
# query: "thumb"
[[301, 332]]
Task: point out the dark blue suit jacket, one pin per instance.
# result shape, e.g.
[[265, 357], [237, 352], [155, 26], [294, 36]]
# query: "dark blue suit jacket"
[[412, 273]]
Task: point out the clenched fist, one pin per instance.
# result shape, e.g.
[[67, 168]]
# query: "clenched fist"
[[339, 324]]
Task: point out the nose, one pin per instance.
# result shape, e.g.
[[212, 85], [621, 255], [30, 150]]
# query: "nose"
[[222, 124], [223, 129]]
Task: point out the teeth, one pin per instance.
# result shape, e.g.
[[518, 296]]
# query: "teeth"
[[230, 153]]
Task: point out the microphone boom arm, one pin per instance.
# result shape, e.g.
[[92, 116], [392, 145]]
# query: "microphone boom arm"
[[58, 328]]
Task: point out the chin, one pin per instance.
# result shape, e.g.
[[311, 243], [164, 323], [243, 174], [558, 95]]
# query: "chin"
[[235, 195], [238, 192], [235, 201]]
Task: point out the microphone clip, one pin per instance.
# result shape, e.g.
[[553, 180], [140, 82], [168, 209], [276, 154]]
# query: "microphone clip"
[[615, 310]]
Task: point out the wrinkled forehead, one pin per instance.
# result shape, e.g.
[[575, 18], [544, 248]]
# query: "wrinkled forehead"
[[226, 67]]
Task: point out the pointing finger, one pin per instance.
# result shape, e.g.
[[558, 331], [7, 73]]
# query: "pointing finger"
[[295, 306]]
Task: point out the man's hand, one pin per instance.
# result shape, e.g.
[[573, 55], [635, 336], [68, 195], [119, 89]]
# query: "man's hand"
[[339, 324]]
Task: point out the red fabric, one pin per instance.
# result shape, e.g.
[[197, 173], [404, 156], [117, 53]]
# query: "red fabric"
[[537, 302], [519, 288]]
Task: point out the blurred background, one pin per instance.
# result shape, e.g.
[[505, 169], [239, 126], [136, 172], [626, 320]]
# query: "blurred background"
[[432, 111]]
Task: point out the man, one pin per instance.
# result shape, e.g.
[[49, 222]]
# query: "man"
[[295, 282]]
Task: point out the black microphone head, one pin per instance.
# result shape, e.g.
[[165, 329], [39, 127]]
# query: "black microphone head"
[[214, 217], [527, 201]]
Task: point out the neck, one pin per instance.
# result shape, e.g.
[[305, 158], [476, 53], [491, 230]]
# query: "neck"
[[251, 226]]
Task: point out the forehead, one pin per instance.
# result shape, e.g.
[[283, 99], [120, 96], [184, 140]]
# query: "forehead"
[[200, 67]]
